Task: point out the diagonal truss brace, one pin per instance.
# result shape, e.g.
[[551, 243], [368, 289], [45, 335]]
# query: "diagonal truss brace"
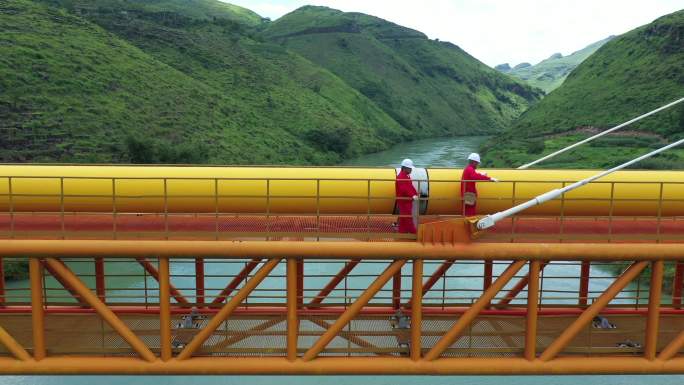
[[227, 309], [353, 310], [472, 312], [592, 311], [107, 314]]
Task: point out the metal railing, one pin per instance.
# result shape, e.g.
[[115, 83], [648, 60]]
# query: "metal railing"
[[159, 215]]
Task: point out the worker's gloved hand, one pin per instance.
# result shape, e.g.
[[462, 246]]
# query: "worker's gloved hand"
[[415, 197], [483, 173], [494, 180]]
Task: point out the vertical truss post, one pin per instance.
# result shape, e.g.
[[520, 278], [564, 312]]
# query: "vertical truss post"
[[2, 282], [416, 309], [199, 281], [396, 290], [487, 276], [677, 283], [300, 282], [37, 311], [593, 310], [292, 322], [584, 283], [100, 288], [472, 312], [164, 309], [353, 310], [227, 309], [653, 310], [532, 310]]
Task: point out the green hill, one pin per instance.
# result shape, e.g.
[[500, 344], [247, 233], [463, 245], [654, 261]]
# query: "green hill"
[[630, 75], [176, 81], [165, 85], [430, 87], [549, 74]]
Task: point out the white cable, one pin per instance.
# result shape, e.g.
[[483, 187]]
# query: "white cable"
[[490, 220], [600, 134]]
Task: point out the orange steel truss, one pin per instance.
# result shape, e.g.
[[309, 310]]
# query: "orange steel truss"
[[265, 319]]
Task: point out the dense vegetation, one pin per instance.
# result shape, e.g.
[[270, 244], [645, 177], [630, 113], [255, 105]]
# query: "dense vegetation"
[[177, 81], [549, 74], [433, 88], [630, 75]]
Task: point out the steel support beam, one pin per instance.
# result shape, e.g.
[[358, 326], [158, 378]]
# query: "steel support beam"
[[100, 288], [227, 309], [13, 346], [585, 271], [64, 284], [353, 310], [151, 270], [339, 277], [199, 281], [518, 288], [102, 309], [592, 311], [235, 282], [475, 309]]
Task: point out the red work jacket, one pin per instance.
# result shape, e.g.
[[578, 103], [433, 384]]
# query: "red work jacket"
[[470, 174], [404, 189]]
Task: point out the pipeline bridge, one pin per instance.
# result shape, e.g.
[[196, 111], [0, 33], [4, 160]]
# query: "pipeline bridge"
[[257, 270]]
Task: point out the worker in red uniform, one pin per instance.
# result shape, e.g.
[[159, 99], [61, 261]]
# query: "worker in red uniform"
[[468, 188], [406, 194]]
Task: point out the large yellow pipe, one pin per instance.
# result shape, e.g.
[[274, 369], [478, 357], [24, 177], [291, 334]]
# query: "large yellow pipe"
[[341, 190]]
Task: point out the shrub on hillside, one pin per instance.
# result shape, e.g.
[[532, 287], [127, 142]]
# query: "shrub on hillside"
[[330, 139]]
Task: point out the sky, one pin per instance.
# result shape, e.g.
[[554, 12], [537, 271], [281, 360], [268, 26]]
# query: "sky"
[[499, 31]]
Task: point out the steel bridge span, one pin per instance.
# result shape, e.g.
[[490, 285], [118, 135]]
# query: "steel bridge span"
[[142, 270]]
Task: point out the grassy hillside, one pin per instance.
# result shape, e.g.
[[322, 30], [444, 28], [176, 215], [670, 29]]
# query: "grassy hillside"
[[549, 74], [166, 87], [630, 75], [430, 87]]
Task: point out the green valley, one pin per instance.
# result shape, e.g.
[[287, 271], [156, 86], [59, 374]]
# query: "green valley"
[[171, 81], [550, 73], [630, 75]]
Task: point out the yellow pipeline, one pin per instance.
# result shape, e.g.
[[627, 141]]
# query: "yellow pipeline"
[[340, 190]]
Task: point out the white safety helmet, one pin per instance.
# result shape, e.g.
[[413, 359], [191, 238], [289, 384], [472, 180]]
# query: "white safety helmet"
[[475, 157], [407, 163]]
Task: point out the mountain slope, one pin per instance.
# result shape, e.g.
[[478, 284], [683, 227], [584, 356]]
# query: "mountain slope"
[[430, 87], [550, 73], [632, 74], [281, 107]]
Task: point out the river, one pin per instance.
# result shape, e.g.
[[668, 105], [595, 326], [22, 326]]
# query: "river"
[[442, 152]]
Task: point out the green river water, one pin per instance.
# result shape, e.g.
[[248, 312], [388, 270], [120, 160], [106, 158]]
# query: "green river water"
[[442, 152]]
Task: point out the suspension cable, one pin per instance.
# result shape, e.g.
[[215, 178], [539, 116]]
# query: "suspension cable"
[[490, 220], [601, 134]]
